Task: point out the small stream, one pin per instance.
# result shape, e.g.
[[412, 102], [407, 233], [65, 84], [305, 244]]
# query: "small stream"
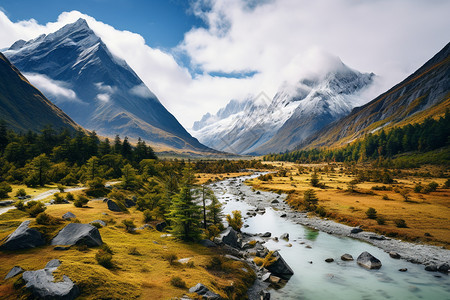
[[313, 277]]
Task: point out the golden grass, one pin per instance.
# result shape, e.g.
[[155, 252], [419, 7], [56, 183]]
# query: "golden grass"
[[203, 178], [145, 276], [424, 213]]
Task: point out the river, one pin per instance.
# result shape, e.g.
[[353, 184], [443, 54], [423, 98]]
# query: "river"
[[313, 277]]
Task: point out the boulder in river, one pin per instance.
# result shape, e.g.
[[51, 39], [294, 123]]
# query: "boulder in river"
[[444, 268], [203, 291], [229, 237], [68, 215], [280, 268], [41, 283], [275, 201], [13, 272], [23, 238], [368, 261], [112, 206], [266, 234], [346, 257], [264, 295], [431, 268], [78, 234], [285, 236], [329, 260], [394, 255]]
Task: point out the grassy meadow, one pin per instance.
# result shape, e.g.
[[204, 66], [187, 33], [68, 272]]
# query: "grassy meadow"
[[427, 216]]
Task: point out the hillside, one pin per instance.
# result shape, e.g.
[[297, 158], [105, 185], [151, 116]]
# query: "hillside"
[[23, 107], [425, 93]]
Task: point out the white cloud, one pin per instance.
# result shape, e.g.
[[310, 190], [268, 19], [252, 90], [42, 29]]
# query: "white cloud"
[[141, 91], [52, 87], [279, 39], [103, 97]]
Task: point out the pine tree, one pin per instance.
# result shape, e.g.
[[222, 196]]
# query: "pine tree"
[[184, 216]]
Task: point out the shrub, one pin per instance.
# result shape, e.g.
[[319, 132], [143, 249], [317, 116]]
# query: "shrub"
[[104, 259], [235, 221], [20, 205], [129, 225], [33, 208], [134, 251], [212, 231], [61, 188], [105, 247], [418, 188], [5, 188], [178, 282], [266, 261], [310, 199], [21, 193], [431, 187], [321, 211], [400, 223], [58, 198], [81, 201], [45, 219], [381, 220], [447, 184], [69, 196], [385, 197], [148, 215], [96, 224], [171, 258], [215, 263], [371, 213]]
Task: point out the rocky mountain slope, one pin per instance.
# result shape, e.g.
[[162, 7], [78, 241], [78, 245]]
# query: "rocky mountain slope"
[[23, 107], [260, 125], [98, 90], [425, 93]]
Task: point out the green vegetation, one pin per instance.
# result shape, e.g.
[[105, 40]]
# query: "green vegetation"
[[371, 213], [235, 221], [424, 137]]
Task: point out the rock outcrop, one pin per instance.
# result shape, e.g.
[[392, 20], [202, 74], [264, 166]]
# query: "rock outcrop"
[[280, 267], [78, 234], [68, 215], [112, 206], [41, 283], [13, 272], [203, 291], [23, 238], [229, 237]]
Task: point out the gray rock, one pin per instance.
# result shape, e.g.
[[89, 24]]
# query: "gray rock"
[[161, 225], [266, 234], [368, 261], [265, 277], [41, 284], [403, 269], [99, 222], [68, 215], [13, 272], [203, 291], [112, 206], [356, 230], [23, 238], [444, 268], [229, 237], [54, 263], [285, 236], [394, 255], [346, 257], [431, 268], [282, 216], [78, 234], [329, 260], [275, 201], [207, 243], [280, 268]]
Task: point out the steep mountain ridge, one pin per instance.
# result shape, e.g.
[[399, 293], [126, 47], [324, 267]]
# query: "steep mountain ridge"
[[259, 125], [425, 93], [23, 107], [102, 92]]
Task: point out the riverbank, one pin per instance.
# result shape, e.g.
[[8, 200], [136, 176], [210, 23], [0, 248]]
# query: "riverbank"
[[415, 253]]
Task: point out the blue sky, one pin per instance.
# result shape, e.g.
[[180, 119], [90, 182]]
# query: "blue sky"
[[197, 55], [162, 23]]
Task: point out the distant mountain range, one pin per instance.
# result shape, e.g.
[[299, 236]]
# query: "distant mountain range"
[[259, 125], [23, 107], [425, 93], [96, 89]]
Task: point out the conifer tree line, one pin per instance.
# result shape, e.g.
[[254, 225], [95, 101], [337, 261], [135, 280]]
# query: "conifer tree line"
[[422, 137], [65, 157]]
